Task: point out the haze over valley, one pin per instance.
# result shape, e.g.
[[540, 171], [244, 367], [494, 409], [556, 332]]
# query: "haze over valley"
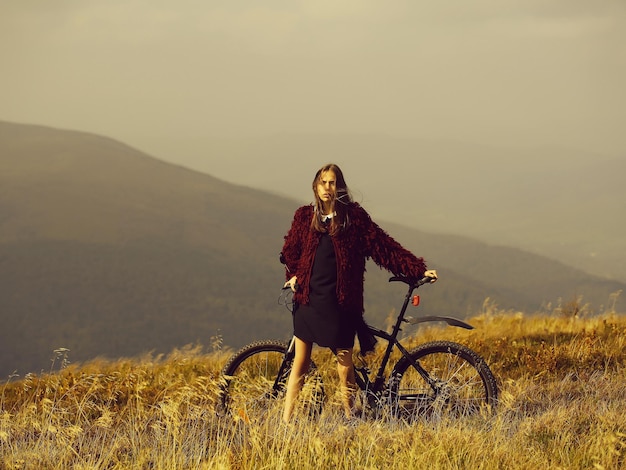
[[105, 250], [560, 203]]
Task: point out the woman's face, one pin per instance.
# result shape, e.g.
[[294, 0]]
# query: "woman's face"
[[326, 187]]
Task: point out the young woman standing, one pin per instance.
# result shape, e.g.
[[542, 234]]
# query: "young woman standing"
[[325, 252]]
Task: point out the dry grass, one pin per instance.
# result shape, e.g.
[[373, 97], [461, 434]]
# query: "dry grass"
[[561, 406]]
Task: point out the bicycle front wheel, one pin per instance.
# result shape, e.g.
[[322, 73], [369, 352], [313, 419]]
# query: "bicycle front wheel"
[[448, 380], [253, 378]]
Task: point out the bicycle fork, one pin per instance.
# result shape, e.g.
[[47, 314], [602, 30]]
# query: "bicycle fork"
[[285, 367]]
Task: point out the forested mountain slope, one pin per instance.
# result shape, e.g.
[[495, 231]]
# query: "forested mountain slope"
[[105, 250]]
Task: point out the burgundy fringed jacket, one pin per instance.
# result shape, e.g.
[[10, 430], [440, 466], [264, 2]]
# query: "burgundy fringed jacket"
[[354, 244]]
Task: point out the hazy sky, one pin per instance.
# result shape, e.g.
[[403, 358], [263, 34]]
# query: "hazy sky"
[[169, 76]]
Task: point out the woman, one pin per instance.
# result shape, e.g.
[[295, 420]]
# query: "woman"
[[324, 253]]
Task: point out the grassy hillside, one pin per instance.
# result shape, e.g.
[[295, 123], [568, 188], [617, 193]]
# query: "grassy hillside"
[[109, 252], [561, 406]]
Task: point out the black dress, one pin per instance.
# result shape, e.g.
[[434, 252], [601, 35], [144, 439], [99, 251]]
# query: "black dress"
[[323, 321]]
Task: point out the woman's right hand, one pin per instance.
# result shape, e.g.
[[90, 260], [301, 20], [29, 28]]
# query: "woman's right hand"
[[292, 283], [432, 274]]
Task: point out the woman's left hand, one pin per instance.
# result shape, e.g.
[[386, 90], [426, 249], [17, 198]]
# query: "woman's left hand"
[[432, 274]]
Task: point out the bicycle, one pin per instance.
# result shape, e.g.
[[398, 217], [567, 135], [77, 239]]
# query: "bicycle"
[[434, 379]]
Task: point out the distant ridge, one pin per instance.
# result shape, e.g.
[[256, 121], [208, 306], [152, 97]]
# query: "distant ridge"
[[561, 203], [105, 250]]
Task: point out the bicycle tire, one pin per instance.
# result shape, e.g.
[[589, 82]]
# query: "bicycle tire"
[[463, 383], [251, 387]]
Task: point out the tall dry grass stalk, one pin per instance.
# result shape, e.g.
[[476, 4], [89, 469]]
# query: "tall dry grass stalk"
[[562, 405]]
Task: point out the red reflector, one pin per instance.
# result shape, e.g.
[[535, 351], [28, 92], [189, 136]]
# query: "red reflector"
[[416, 300]]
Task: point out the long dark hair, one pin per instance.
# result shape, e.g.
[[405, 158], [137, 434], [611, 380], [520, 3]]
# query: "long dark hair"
[[339, 203]]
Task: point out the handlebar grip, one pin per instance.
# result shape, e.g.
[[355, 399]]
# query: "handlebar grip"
[[426, 280]]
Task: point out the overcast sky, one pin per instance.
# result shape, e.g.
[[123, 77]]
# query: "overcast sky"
[[169, 76]]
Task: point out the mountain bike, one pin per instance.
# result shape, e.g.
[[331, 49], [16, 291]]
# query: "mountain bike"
[[434, 379]]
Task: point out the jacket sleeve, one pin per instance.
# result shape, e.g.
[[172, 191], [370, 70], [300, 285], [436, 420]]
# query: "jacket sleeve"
[[389, 254], [293, 245]]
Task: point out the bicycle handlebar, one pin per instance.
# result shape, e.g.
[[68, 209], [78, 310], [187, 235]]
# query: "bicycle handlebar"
[[407, 280], [411, 281]]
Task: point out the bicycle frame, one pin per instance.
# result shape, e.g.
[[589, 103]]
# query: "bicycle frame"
[[430, 377]]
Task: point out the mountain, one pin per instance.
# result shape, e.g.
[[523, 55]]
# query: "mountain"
[[105, 250], [560, 203]]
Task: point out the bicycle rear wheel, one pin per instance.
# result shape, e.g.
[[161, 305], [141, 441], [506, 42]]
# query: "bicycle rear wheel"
[[457, 382], [255, 378]]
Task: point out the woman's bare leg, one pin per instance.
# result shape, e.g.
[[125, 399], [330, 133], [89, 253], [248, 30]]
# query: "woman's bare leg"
[[345, 370], [300, 367]]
